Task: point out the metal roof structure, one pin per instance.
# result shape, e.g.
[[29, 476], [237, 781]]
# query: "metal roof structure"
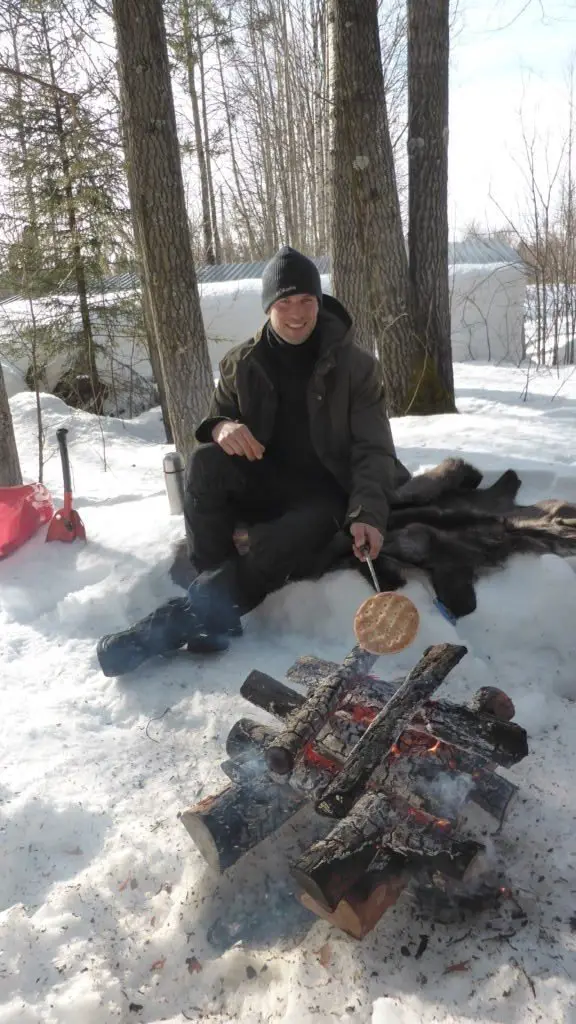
[[472, 251]]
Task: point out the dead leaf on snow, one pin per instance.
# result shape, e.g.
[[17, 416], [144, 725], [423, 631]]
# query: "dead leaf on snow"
[[464, 965], [325, 954], [158, 964], [194, 965]]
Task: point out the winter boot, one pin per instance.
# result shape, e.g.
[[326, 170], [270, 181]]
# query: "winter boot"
[[204, 621], [164, 630], [213, 602]]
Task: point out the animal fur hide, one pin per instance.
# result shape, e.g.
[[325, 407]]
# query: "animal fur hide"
[[444, 524]]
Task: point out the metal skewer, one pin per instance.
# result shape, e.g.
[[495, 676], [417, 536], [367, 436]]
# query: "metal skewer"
[[370, 565]]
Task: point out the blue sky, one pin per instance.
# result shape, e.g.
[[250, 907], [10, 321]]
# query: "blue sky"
[[510, 64]]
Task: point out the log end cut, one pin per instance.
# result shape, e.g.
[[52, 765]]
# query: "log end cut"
[[199, 832], [356, 914]]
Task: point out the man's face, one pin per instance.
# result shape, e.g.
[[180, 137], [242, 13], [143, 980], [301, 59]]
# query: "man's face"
[[294, 318]]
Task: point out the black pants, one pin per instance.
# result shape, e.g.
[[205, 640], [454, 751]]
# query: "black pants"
[[288, 523]]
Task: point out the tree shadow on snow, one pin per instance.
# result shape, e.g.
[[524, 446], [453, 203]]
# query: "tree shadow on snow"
[[42, 845]]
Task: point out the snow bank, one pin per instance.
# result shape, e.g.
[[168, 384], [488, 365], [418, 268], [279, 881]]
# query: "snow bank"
[[107, 911]]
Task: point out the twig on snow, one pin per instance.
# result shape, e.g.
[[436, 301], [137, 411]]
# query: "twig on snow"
[[156, 718], [520, 967]]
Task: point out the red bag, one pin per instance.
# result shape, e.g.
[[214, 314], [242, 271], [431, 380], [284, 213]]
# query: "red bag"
[[23, 510]]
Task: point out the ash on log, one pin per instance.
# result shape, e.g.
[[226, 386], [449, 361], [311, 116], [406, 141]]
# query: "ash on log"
[[225, 826], [307, 721], [430, 672], [333, 864]]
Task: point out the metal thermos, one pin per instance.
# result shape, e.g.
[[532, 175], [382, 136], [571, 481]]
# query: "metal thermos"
[[174, 479]]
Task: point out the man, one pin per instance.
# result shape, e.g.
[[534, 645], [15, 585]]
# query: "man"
[[296, 446]]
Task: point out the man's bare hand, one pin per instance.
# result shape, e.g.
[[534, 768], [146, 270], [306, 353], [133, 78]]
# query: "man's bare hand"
[[367, 541], [237, 439]]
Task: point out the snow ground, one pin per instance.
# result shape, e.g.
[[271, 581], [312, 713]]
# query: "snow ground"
[[107, 912]]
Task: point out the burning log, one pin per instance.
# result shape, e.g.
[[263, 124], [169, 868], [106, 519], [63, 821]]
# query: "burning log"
[[484, 727], [505, 743], [307, 721], [340, 796], [432, 779], [333, 864], [227, 825], [368, 690]]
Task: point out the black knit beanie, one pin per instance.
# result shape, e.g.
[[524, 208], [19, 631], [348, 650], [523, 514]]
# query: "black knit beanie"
[[289, 272]]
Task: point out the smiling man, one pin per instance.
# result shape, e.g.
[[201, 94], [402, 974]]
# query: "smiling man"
[[296, 447]]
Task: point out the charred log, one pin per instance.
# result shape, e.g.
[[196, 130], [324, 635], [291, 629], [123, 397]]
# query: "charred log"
[[308, 671], [246, 745], [248, 737], [267, 693], [340, 796], [227, 825], [305, 723], [373, 828]]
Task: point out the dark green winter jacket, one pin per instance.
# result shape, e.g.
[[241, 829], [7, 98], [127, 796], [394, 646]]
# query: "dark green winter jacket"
[[349, 426]]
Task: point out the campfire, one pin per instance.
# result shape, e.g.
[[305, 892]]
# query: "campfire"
[[388, 768]]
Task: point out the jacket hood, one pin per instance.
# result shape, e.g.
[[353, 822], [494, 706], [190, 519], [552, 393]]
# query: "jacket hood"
[[334, 314], [335, 308]]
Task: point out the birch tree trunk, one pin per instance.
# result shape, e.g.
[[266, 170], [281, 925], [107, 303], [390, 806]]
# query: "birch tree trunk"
[[369, 259], [10, 475], [153, 161], [428, 59]]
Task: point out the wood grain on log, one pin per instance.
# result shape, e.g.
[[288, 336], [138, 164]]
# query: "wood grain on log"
[[306, 722], [225, 826], [430, 672], [363, 905]]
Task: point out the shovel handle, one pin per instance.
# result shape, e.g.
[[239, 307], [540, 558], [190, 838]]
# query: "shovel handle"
[[61, 438]]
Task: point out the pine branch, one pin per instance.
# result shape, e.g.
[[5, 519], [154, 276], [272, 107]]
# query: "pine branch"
[[24, 76]]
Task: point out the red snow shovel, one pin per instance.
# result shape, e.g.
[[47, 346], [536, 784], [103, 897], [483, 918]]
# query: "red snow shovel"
[[65, 524]]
